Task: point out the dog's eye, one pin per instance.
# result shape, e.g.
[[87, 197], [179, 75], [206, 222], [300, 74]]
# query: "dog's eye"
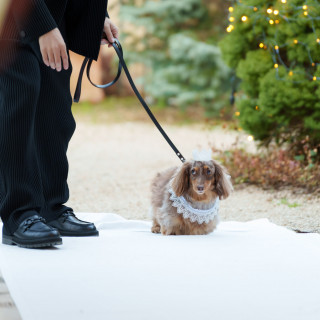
[[193, 171], [208, 171]]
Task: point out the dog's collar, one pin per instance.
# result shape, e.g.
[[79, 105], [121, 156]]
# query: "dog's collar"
[[193, 214]]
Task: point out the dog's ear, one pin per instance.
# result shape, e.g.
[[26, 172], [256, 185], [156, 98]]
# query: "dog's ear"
[[222, 183], [180, 182]]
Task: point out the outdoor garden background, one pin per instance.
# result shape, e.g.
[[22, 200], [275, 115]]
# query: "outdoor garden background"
[[240, 77]]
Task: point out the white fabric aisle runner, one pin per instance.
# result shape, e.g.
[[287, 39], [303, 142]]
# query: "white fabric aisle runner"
[[254, 270]]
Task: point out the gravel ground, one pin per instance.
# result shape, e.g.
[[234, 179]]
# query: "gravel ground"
[[111, 166]]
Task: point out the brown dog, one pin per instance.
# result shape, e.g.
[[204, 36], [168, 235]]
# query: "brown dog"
[[185, 200]]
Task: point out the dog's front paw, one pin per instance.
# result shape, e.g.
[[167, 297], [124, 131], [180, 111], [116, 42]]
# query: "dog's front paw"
[[165, 231], [169, 231], [156, 229]]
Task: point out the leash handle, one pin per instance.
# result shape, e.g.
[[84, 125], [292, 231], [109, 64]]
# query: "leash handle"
[[118, 48]]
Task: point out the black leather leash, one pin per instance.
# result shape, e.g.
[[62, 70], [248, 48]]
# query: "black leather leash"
[[117, 46]]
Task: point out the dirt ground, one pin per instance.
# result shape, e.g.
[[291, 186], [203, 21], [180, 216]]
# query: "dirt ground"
[[111, 166]]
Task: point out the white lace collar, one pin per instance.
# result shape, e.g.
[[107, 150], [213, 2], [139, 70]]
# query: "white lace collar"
[[188, 212]]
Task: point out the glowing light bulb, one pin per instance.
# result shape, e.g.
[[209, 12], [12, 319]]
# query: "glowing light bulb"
[[257, 108], [231, 19], [261, 45], [250, 138], [230, 28], [295, 41], [276, 65], [284, 1], [314, 78], [305, 7], [237, 113], [271, 21], [305, 13], [244, 18], [230, 9], [276, 12], [290, 73], [269, 10], [277, 21], [255, 9], [276, 47], [318, 40]]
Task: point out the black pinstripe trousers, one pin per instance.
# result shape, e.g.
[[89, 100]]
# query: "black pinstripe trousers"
[[36, 125]]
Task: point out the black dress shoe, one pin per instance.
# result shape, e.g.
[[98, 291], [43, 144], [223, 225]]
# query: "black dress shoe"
[[69, 225], [32, 233]]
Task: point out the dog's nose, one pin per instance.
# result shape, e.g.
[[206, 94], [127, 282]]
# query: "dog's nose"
[[200, 188]]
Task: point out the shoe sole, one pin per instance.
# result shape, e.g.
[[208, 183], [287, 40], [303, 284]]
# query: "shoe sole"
[[78, 234], [12, 241]]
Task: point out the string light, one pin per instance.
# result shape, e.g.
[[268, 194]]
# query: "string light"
[[250, 138], [230, 28], [268, 42], [257, 108], [237, 113]]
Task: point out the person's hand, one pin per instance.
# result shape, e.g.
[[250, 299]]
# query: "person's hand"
[[111, 30], [53, 50]]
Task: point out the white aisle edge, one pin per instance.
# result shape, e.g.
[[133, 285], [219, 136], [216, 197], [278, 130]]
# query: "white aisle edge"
[[254, 270], [8, 309]]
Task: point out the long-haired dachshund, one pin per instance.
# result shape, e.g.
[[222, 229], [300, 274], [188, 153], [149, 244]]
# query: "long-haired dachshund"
[[185, 200]]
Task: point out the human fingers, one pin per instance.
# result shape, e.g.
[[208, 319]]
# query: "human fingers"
[[108, 32], [64, 57], [45, 57], [51, 59], [57, 59], [115, 31]]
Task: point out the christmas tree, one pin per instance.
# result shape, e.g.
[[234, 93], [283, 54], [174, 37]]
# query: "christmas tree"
[[177, 40], [274, 47]]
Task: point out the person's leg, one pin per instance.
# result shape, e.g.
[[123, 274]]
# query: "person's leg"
[[21, 193], [54, 127]]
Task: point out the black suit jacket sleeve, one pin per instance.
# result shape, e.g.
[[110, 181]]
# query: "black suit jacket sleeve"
[[33, 17], [107, 14]]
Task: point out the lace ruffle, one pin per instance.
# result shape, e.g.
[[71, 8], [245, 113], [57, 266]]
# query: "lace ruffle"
[[195, 215]]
